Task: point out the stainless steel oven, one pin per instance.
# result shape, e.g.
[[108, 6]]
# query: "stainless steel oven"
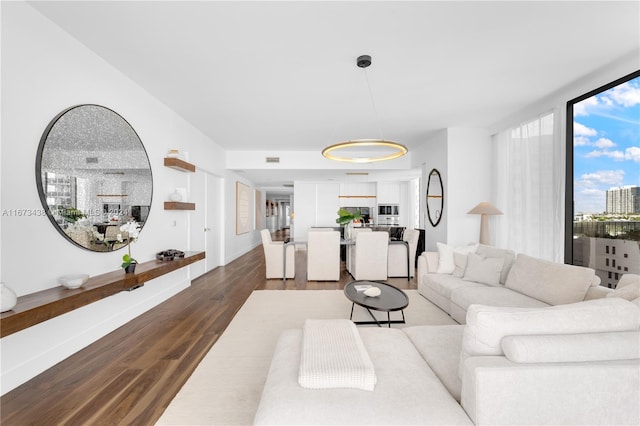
[[388, 214]]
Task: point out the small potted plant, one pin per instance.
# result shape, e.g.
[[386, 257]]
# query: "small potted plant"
[[133, 229], [345, 218], [72, 215]]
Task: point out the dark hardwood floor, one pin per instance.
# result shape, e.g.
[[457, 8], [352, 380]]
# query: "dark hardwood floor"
[[131, 375]]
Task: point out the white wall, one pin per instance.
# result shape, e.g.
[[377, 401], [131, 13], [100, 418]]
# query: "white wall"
[[315, 204], [238, 244], [469, 181], [463, 158], [44, 71], [433, 155]]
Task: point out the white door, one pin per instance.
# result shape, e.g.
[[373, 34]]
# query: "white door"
[[197, 220], [214, 221], [206, 222]]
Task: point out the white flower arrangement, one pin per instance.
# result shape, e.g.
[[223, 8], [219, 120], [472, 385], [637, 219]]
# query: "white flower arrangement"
[[133, 229]]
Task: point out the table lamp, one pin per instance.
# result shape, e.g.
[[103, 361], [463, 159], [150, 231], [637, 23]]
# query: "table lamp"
[[484, 209]]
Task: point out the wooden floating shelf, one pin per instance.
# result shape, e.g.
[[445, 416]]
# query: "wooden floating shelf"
[[178, 164], [41, 306], [177, 205]]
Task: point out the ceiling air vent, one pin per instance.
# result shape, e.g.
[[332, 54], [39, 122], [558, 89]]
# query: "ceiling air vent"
[[288, 185], [273, 159], [92, 160]]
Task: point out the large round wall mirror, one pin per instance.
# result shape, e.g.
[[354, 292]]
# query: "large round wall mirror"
[[435, 197], [93, 176]]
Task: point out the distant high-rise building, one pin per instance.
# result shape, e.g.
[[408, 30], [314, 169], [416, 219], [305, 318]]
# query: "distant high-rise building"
[[623, 200]]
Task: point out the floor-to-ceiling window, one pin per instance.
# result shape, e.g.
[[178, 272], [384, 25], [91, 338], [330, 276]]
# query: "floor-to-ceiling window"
[[603, 180]]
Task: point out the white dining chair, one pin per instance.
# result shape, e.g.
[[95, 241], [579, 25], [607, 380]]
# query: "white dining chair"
[[323, 255], [273, 257], [370, 260], [397, 260]]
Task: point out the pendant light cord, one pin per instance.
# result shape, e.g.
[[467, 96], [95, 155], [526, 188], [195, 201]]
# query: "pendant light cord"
[[373, 103]]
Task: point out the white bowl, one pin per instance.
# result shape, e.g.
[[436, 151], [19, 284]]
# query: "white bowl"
[[73, 280], [372, 292]]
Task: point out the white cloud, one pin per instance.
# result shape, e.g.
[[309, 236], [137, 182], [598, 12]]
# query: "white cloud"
[[614, 155], [602, 177], [624, 94], [632, 153], [582, 130], [583, 107], [604, 143], [581, 141], [593, 192]]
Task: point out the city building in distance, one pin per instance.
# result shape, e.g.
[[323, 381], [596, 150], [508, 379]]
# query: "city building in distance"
[[623, 200]]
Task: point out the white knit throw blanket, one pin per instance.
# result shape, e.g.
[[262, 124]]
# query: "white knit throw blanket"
[[333, 356]]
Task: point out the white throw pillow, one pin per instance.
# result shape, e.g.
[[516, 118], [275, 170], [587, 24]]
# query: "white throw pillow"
[[446, 264], [460, 261], [484, 270], [629, 290], [628, 280], [509, 257]]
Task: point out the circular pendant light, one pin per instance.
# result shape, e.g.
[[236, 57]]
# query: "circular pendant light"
[[360, 151], [365, 150]]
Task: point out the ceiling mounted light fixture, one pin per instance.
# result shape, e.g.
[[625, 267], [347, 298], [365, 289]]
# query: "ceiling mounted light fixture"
[[365, 150]]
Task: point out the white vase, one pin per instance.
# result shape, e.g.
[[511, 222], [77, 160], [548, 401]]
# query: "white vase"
[[8, 298], [175, 196], [348, 231]]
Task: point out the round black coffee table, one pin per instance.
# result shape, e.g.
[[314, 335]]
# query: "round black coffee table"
[[391, 299]]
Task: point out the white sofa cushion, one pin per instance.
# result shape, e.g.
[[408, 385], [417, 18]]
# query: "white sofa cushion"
[[550, 282], [446, 264], [484, 270], [439, 287], [462, 298], [440, 346], [407, 392], [572, 347], [488, 325], [507, 255]]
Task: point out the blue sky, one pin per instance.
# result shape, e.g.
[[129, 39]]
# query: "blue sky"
[[606, 142]]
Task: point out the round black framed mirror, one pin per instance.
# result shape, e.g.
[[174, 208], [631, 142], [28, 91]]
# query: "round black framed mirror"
[[435, 197], [93, 176]]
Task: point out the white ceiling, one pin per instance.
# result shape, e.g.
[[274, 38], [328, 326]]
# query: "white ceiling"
[[282, 75]]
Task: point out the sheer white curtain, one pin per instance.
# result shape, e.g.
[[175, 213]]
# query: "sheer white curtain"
[[529, 180]]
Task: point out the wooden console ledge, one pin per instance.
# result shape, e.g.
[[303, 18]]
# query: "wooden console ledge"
[[41, 306]]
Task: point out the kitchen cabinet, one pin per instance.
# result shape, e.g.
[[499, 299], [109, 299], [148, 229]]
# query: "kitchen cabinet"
[[361, 194], [388, 193]]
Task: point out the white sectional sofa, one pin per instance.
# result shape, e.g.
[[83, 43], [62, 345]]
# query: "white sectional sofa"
[[569, 364], [538, 343], [454, 278]]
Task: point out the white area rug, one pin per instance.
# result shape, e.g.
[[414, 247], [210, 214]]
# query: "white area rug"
[[226, 387]]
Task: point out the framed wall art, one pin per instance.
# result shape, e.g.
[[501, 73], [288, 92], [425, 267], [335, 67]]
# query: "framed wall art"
[[243, 224]]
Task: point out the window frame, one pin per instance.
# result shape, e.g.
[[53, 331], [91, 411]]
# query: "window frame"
[[569, 187]]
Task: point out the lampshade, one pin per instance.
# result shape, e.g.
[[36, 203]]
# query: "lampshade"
[[484, 208]]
